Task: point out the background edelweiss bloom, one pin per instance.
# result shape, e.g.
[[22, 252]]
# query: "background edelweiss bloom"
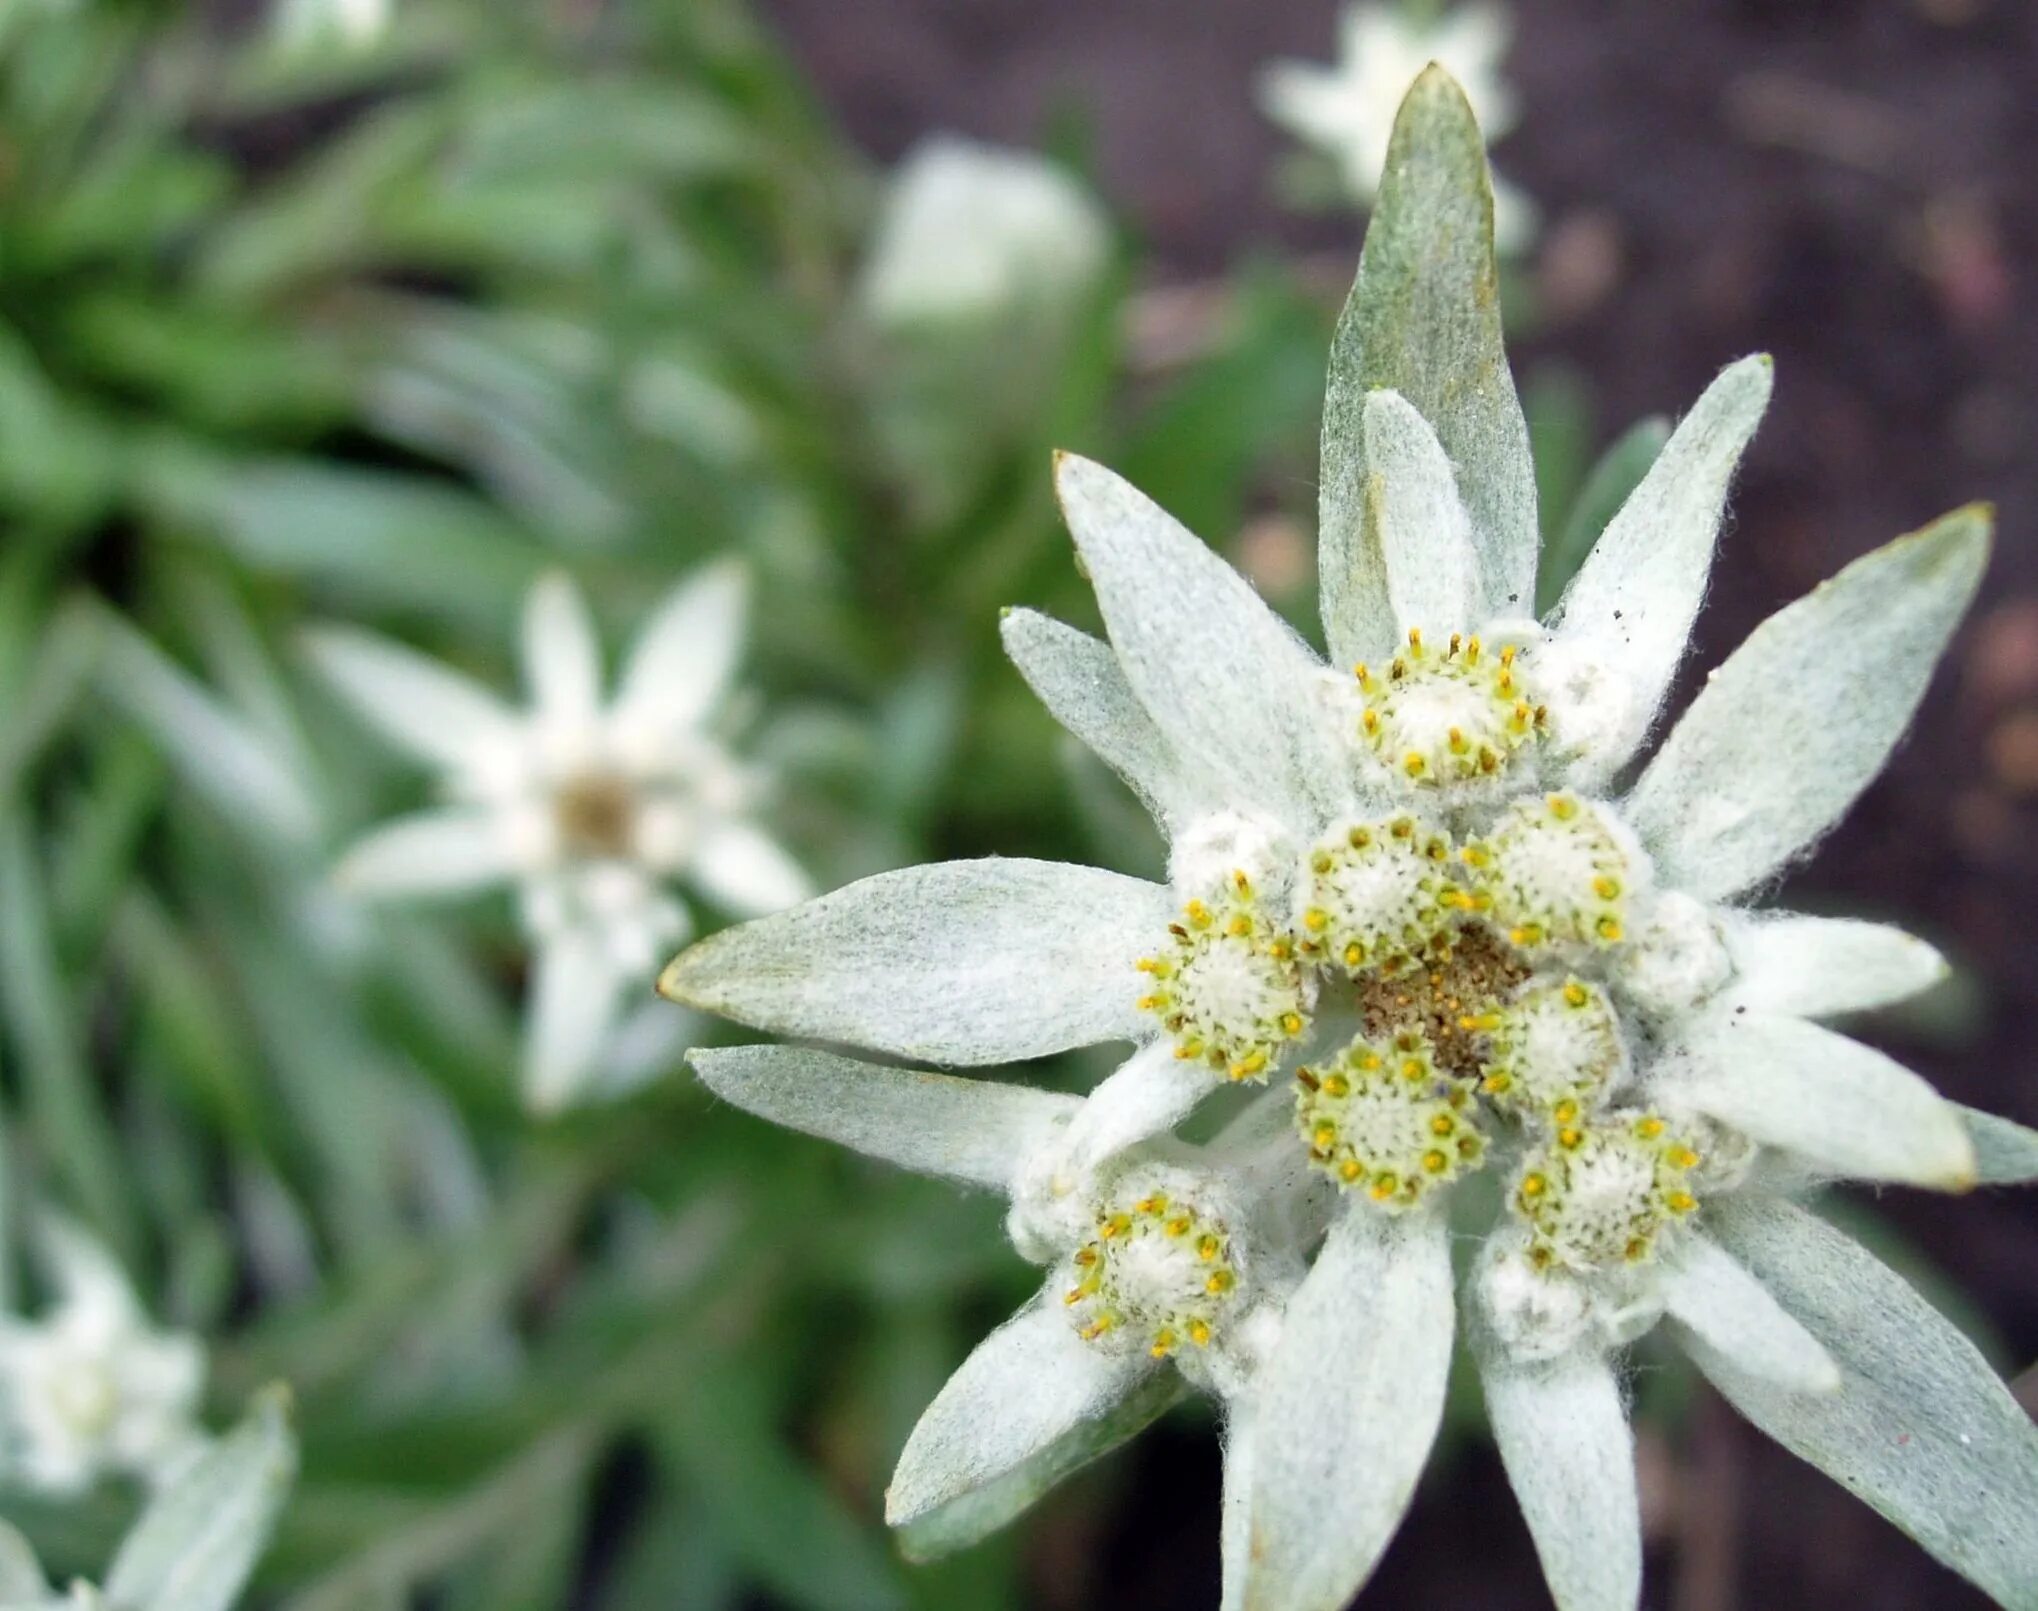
[[973, 231], [1413, 881], [89, 1388], [1158, 1276], [589, 807], [196, 1544], [355, 24], [1346, 110]]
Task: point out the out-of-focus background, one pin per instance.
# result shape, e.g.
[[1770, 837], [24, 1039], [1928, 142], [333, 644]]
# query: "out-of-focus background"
[[370, 312]]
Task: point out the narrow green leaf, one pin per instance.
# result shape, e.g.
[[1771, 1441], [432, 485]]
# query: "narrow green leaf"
[[60, 1102], [771, 1509]]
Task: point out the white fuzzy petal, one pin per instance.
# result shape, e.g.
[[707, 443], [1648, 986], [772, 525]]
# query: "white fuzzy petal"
[[687, 652], [1633, 601], [1424, 537], [2005, 1152], [1150, 1093], [1235, 1513], [961, 962], [21, 1580], [1083, 687], [448, 852], [1821, 967], [197, 1543], [1424, 319], [742, 868], [974, 1515], [977, 1513], [1563, 1435], [1921, 1427], [1029, 1385], [1347, 1409], [1712, 1297], [1228, 682], [430, 710], [576, 993], [1791, 1084], [938, 1124], [562, 656], [1787, 732]]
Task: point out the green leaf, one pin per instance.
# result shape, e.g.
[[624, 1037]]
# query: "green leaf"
[[59, 1099], [1424, 319], [374, 539], [771, 1509]]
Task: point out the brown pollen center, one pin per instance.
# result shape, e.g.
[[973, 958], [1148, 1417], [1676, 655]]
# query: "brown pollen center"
[[595, 814], [1462, 974]]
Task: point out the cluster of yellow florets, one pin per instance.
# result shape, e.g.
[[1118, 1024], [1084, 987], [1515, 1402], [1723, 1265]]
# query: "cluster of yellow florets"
[[1387, 1121], [1449, 716], [1598, 1193], [1228, 987], [1464, 966], [1159, 1273]]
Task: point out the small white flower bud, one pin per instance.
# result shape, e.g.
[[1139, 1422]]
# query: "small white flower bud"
[[1676, 957], [1536, 1314]]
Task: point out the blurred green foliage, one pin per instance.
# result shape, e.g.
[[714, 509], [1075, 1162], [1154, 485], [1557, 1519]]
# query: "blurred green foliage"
[[292, 334]]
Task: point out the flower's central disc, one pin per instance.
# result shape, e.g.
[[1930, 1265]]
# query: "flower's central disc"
[[1160, 1272], [1446, 716], [596, 815]]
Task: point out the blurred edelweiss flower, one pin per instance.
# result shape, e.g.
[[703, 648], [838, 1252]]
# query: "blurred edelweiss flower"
[[1347, 111], [195, 1545], [1429, 887], [591, 808], [89, 1389], [971, 231], [355, 24]]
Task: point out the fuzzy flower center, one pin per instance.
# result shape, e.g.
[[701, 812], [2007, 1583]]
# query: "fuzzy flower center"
[[1227, 986], [1159, 1273], [1554, 872], [1446, 716], [1597, 1195], [1553, 1044], [595, 813], [1374, 894], [1386, 1120], [84, 1395]]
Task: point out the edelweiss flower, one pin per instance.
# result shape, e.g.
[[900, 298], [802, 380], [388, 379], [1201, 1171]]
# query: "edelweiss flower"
[[590, 808], [1417, 886], [198, 1540], [1347, 111], [355, 24], [971, 231], [89, 1388]]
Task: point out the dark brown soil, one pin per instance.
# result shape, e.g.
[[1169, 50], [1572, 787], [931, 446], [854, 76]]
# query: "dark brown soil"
[[1846, 183]]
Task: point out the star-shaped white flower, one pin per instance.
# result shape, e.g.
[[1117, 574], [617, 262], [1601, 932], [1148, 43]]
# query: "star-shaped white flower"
[[973, 231], [197, 1541], [1346, 111], [590, 807], [1430, 887], [89, 1388]]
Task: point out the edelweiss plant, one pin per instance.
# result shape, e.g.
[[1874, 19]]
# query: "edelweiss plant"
[[1428, 900], [197, 1542], [590, 808], [1346, 111], [89, 1388]]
